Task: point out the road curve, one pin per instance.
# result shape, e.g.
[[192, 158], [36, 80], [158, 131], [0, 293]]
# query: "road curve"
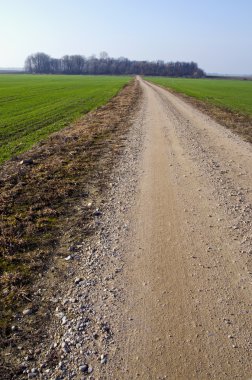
[[187, 274]]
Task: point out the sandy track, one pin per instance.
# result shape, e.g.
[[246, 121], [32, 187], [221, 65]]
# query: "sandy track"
[[187, 277]]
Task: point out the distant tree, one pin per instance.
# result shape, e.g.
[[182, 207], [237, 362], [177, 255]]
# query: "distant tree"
[[28, 64], [38, 63], [66, 64], [104, 55], [55, 66], [77, 64]]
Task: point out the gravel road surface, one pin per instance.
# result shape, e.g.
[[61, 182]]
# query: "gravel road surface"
[[187, 274]]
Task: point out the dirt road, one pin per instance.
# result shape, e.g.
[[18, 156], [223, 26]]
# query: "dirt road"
[[187, 274]]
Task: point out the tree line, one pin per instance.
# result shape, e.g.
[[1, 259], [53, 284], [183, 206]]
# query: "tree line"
[[41, 63]]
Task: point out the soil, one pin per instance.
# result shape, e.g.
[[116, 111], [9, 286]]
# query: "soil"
[[187, 275]]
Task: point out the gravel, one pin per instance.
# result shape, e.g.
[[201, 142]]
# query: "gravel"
[[82, 325]]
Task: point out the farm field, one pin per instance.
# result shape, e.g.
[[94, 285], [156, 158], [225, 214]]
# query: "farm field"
[[34, 106], [235, 95]]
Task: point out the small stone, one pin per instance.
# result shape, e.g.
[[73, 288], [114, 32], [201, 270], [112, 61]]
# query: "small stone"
[[28, 357], [27, 311], [84, 368], [64, 320], [73, 300], [65, 347], [103, 359], [60, 365], [97, 212], [227, 321], [28, 161], [90, 369], [68, 258], [78, 280]]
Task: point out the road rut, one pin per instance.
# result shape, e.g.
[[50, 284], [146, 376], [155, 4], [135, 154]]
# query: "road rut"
[[187, 274]]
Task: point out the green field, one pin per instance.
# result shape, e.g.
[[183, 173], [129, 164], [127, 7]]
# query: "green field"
[[235, 95], [34, 106]]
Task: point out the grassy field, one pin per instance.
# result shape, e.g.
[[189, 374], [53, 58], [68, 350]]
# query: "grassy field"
[[34, 106], [234, 95]]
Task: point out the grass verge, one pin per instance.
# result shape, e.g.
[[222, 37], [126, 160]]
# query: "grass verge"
[[40, 194], [227, 101]]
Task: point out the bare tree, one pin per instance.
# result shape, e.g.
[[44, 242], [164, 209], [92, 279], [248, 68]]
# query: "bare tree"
[[38, 63], [104, 55], [77, 64]]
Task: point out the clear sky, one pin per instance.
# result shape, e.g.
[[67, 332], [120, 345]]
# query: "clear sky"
[[217, 34]]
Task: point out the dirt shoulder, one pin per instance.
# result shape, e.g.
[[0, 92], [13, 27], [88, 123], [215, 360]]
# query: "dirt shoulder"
[[50, 199]]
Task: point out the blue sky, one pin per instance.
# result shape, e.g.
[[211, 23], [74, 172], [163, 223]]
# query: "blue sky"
[[215, 34]]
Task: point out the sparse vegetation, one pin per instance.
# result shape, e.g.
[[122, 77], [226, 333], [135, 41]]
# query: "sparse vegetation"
[[34, 106], [39, 199]]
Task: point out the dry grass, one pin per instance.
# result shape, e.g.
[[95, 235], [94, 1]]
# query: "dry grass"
[[38, 197], [239, 123]]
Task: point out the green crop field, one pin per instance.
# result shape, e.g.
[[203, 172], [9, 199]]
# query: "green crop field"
[[34, 106], [235, 95]]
